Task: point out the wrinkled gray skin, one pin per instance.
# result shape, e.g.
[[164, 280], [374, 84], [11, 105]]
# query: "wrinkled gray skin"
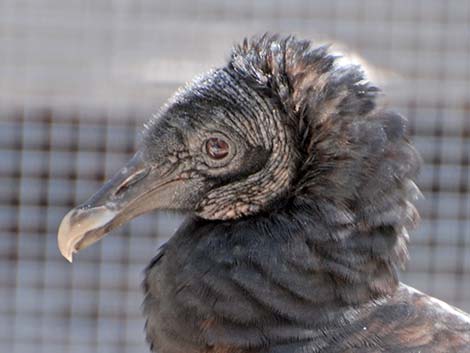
[[295, 234], [259, 166]]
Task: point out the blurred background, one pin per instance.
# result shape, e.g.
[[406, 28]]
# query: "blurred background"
[[79, 77]]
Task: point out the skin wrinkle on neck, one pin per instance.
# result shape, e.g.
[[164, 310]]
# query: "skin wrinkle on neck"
[[246, 107], [262, 187], [241, 108], [260, 111]]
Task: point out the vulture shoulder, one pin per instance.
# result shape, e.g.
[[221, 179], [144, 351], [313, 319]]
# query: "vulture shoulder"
[[412, 321], [194, 305]]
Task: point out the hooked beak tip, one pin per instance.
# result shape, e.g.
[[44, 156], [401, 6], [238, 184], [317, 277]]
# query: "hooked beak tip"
[[82, 227], [64, 241]]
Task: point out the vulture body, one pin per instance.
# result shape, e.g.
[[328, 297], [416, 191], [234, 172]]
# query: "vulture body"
[[299, 189]]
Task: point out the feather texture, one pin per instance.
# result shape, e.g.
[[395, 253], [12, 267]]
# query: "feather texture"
[[315, 269]]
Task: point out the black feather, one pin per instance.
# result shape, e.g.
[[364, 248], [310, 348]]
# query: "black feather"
[[316, 269]]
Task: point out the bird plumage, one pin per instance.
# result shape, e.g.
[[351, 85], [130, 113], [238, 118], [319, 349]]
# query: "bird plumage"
[[317, 271], [300, 191]]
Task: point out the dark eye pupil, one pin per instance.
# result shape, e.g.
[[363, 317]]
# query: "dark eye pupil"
[[217, 148]]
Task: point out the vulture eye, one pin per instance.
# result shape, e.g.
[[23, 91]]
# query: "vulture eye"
[[217, 148]]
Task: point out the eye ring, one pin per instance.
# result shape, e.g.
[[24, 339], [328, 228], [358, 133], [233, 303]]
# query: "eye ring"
[[217, 148]]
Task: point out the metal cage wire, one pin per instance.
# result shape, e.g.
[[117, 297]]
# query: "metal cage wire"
[[78, 79]]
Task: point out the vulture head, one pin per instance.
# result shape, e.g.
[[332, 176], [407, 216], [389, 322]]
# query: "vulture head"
[[282, 127]]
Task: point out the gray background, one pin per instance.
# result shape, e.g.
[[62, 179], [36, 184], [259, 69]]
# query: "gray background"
[[77, 79]]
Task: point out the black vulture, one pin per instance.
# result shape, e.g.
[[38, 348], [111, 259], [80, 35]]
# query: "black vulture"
[[298, 185]]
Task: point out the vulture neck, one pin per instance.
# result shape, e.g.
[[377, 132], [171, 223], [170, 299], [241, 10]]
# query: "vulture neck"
[[306, 265]]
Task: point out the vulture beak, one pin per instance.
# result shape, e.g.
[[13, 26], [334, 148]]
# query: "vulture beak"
[[136, 189]]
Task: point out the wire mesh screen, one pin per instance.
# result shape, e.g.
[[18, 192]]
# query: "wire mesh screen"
[[78, 78]]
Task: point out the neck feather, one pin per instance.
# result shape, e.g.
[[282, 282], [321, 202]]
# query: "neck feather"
[[306, 269]]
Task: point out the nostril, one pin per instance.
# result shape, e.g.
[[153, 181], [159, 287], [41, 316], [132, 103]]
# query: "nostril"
[[131, 180]]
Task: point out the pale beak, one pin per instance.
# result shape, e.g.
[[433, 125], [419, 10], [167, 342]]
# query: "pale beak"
[[136, 189]]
